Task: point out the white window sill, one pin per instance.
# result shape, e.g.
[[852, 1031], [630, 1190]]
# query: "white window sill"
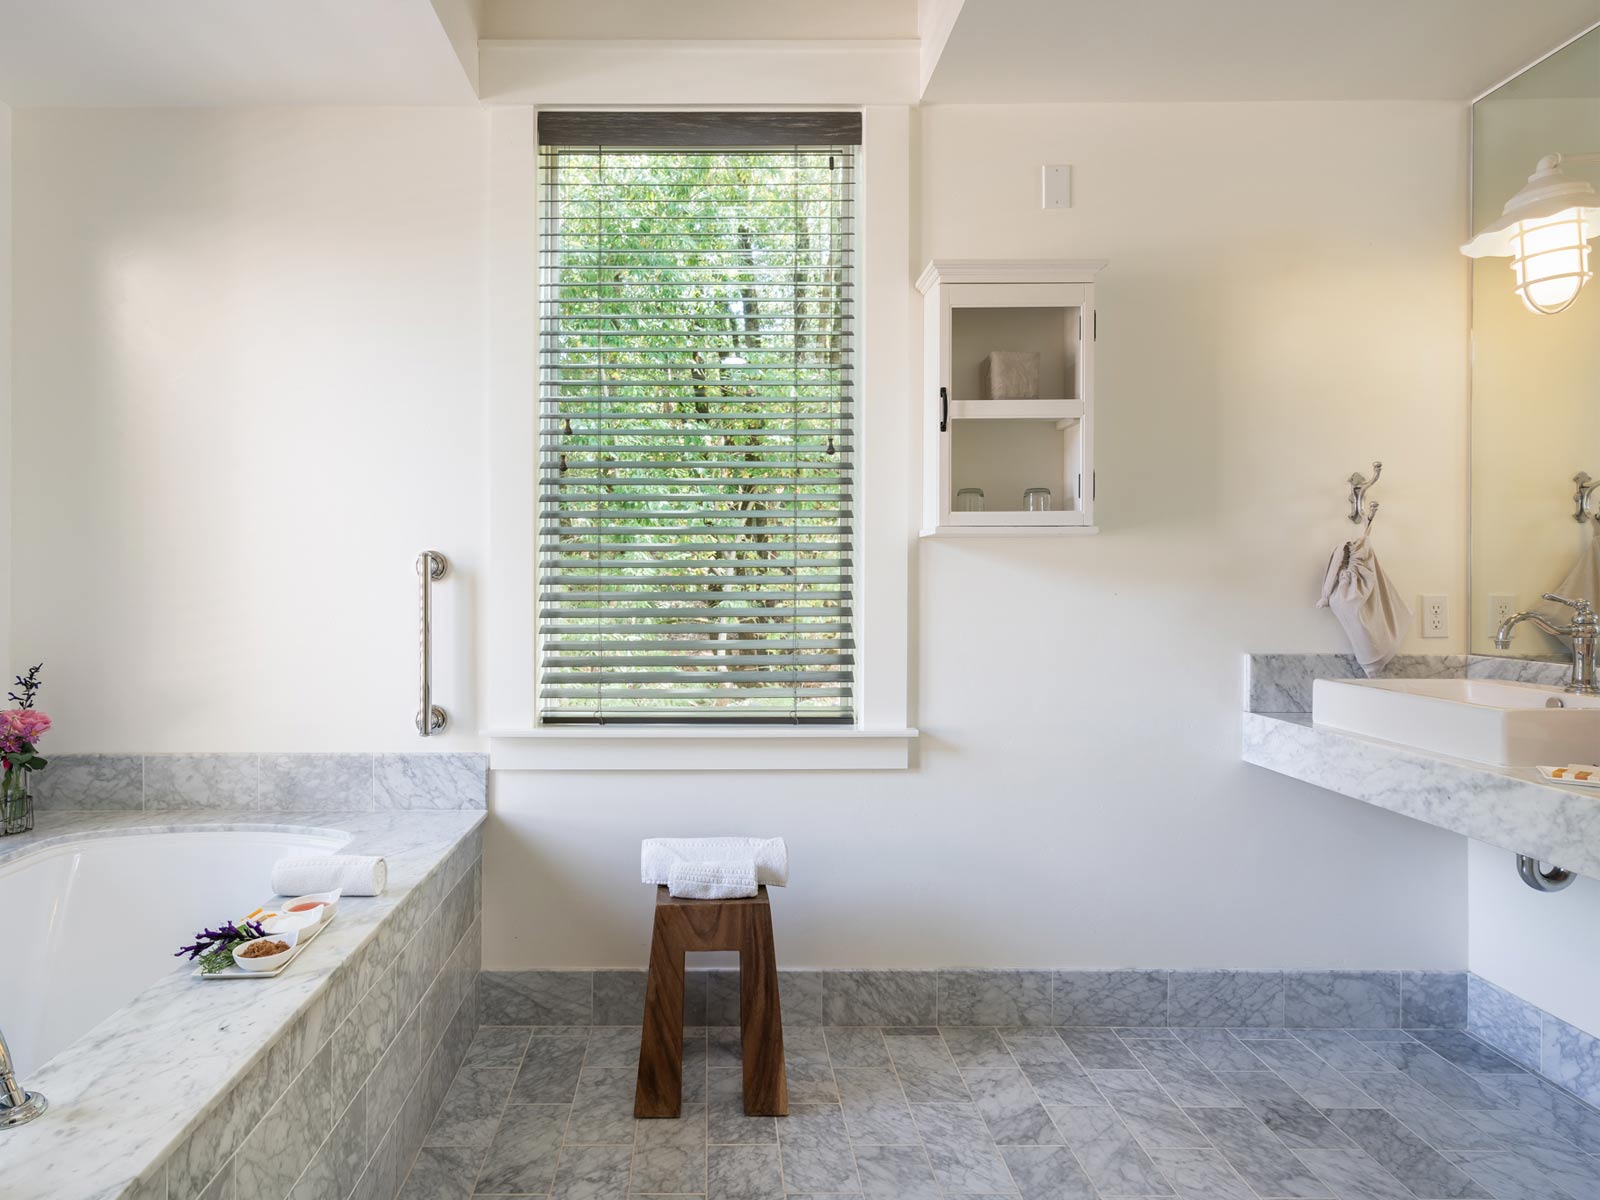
[[697, 748]]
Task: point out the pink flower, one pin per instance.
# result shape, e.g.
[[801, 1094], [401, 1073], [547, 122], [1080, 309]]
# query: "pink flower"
[[21, 728]]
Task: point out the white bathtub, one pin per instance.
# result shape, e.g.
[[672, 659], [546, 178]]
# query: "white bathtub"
[[90, 924]]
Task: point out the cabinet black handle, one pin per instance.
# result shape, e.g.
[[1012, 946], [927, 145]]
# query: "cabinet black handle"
[[944, 410]]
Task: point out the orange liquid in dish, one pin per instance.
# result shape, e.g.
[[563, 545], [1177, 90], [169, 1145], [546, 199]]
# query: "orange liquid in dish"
[[307, 906]]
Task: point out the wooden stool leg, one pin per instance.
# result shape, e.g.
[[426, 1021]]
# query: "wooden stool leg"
[[766, 1087], [659, 1092]]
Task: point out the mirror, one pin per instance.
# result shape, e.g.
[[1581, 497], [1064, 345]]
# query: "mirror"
[[1535, 377]]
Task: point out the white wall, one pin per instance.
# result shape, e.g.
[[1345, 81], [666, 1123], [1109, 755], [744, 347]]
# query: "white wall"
[[250, 352], [249, 372], [1542, 947], [1284, 304], [7, 441]]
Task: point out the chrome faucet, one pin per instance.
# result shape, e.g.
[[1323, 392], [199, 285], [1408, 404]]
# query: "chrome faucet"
[[17, 1106], [1584, 631]]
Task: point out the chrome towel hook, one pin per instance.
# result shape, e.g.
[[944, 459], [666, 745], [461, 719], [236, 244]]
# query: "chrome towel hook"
[[431, 566], [1581, 499], [1359, 484]]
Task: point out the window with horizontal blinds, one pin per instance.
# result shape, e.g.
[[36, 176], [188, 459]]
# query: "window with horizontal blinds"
[[696, 452]]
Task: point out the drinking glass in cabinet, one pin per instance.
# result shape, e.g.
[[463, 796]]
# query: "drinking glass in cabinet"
[[1036, 499], [969, 500]]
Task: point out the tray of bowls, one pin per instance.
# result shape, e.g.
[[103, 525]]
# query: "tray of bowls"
[[288, 927]]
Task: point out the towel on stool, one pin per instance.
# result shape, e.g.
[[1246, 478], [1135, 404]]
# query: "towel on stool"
[[353, 874], [770, 856], [711, 880]]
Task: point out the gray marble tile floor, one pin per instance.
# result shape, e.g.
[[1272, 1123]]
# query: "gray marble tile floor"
[[1077, 1113]]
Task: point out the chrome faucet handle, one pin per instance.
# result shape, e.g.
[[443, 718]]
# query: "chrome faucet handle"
[[1581, 605], [18, 1106]]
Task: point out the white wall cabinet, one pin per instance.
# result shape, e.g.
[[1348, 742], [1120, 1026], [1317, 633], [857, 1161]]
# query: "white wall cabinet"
[[987, 449]]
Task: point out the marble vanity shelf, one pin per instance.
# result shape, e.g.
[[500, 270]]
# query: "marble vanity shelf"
[[1509, 807]]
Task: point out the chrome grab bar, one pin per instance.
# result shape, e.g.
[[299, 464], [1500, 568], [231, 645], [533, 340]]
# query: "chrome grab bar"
[[431, 566]]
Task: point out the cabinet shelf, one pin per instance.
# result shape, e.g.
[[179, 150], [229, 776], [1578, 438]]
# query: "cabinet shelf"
[[1015, 410]]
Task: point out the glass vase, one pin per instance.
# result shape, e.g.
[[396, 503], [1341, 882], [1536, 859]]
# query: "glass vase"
[[16, 802]]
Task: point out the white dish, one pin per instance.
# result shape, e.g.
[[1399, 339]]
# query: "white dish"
[[267, 962], [329, 904], [1567, 775], [302, 939], [291, 922]]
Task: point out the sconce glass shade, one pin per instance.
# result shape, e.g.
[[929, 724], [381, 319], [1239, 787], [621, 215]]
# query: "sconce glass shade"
[[1545, 230]]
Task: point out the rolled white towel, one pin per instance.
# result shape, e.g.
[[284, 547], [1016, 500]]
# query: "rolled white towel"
[[770, 856], [712, 880], [353, 874]]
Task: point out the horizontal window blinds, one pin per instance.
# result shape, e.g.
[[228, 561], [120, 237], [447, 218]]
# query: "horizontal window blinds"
[[696, 453]]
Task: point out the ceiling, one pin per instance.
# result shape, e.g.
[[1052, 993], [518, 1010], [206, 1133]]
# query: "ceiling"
[[159, 53], [712, 20], [1003, 51], [88, 53]]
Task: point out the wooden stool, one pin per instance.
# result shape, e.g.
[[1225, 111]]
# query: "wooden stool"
[[744, 925]]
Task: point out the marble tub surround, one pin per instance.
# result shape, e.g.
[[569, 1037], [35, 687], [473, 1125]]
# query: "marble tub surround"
[[1509, 807], [969, 998], [1032, 1113], [262, 782], [1535, 1039], [321, 1082]]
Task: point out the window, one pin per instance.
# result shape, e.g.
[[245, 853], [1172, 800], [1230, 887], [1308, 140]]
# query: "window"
[[696, 454]]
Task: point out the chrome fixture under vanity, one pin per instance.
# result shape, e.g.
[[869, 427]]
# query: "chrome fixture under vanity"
[[18, 1106], [1584, 632]]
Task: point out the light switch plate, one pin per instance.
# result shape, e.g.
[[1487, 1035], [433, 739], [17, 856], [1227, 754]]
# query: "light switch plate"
[[1435, 617], [1057, 186]]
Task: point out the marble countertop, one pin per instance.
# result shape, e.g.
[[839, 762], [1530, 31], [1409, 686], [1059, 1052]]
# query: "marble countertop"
[[1509, 807], [131, 1089]]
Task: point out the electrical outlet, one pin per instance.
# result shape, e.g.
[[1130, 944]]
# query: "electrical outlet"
[[1435, 617], [1501, 606]]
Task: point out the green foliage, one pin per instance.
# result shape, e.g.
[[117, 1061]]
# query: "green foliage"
[[697, 375]]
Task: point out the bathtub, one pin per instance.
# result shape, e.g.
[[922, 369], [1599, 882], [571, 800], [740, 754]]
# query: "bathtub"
[[91, 924]]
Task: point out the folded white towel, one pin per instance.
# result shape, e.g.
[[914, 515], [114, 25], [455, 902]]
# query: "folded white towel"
[[354, 874], [770, 856], [712, 880]]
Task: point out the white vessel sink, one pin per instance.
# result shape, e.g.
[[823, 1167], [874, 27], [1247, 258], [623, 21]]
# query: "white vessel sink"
[[1489, 721]]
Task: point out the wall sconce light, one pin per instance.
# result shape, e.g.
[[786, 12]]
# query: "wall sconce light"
[[1545, 230]]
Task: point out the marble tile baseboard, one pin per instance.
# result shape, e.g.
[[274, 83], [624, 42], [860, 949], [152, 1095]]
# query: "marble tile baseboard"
[[1182, 998], [262, 782], [1533, 1038]]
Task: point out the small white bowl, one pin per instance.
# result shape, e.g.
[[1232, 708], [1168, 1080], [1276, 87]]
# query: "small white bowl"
[[329, 905], [266, 962], [291, 922]]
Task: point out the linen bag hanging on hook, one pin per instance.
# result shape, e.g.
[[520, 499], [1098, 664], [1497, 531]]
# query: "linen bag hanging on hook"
[[1366, 603]]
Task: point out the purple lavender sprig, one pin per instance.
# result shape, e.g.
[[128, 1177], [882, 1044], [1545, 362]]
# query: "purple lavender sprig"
[[214, 947]]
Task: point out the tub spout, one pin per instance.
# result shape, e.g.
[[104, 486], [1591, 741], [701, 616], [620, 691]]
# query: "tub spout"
[[17, 1105]]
